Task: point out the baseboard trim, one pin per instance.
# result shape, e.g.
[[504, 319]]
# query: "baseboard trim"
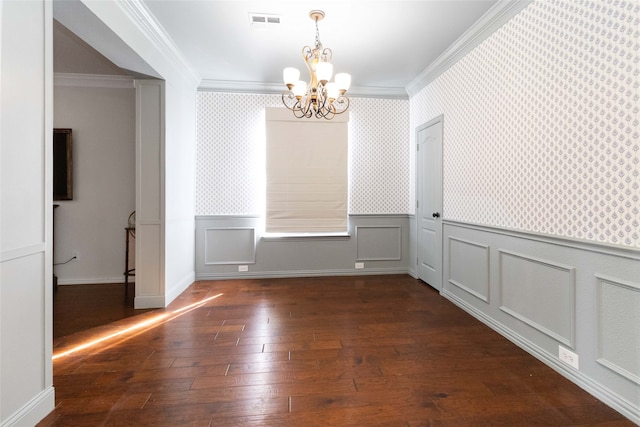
[[180, 287], [154, 301], [301, 273], [34, 411], [92, 281], [605, 395]]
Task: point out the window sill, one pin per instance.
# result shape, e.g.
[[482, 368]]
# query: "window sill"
[[283, 237]]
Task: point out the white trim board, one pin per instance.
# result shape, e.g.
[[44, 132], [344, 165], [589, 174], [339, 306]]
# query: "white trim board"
[[93, 80]]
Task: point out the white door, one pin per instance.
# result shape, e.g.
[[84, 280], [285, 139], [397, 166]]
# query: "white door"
[[429, 202]]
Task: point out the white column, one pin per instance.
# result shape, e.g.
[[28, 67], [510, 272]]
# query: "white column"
[[150, 211]]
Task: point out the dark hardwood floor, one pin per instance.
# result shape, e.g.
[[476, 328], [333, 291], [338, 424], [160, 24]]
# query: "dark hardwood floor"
[[80, 307], [337, 351]]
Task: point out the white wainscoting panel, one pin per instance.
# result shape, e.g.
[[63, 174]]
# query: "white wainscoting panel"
[[618, 320], [149, 266], [224, 241], [547, 292], [469, 267], [540, 293], [378, 243], [230, 245]]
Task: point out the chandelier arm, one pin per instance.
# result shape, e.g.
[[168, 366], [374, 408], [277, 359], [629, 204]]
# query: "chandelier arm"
[[343, 102], [288, 98], [306, 105], [330, 114], [298, 113], [307, 52], [327, 54]]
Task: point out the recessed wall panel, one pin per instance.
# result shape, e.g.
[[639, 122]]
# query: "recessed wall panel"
[[379, 243], [430, 245], [469, 267], [539, 293], [149, 273], [22, 336], [229, 246], [618, 341], [150, 141]]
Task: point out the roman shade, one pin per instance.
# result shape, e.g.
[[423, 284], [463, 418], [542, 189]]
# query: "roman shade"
[[307, 173]]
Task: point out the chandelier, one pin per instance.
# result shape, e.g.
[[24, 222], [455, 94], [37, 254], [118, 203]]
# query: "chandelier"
[[319, 97]]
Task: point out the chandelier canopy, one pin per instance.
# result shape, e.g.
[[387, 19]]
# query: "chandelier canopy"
[[320, 97]]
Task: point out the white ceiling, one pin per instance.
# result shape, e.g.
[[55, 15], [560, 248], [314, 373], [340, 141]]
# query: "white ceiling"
[[382, 44]]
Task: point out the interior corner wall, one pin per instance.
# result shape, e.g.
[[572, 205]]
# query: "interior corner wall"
[[92, 224], [541, 159]]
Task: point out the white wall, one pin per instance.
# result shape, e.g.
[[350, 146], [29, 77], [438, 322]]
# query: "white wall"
[[180, 148], [103, 125], [26, 389]]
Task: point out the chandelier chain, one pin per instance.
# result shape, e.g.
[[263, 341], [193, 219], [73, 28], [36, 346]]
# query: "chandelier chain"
[[318, 43]]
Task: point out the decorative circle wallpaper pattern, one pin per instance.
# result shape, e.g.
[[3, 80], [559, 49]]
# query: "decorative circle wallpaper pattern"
[[541, 123], [379, 156], [230, 154]]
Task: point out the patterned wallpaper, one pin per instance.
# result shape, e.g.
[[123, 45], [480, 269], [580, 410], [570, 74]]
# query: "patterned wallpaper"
[[541, 123], [230, 154], [379, 156]]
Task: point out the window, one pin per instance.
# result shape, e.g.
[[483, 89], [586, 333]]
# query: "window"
[[307, 173]]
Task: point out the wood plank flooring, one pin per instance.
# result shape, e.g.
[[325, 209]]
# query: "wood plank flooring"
[[80, 307], [337, 351]]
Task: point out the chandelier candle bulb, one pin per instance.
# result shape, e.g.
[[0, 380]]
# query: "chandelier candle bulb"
[[324, 70], [290, 76], [343, 80], [319, 98], [299, 89], [332, 91]]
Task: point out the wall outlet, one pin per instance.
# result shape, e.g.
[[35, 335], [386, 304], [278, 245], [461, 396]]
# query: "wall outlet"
[[359, 265], [75, 255], [568, 357], [243, 268]]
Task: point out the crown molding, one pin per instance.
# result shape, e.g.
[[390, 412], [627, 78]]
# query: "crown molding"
[[378, 92], [491, 21], [234, 86], [227, 86], [146, 22], [92, 80]]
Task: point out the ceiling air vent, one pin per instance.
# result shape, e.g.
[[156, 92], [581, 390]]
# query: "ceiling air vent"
[[263, 21]]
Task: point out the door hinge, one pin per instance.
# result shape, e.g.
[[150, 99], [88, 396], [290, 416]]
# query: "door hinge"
[[417, 204], [417, 260], [417, 147]]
